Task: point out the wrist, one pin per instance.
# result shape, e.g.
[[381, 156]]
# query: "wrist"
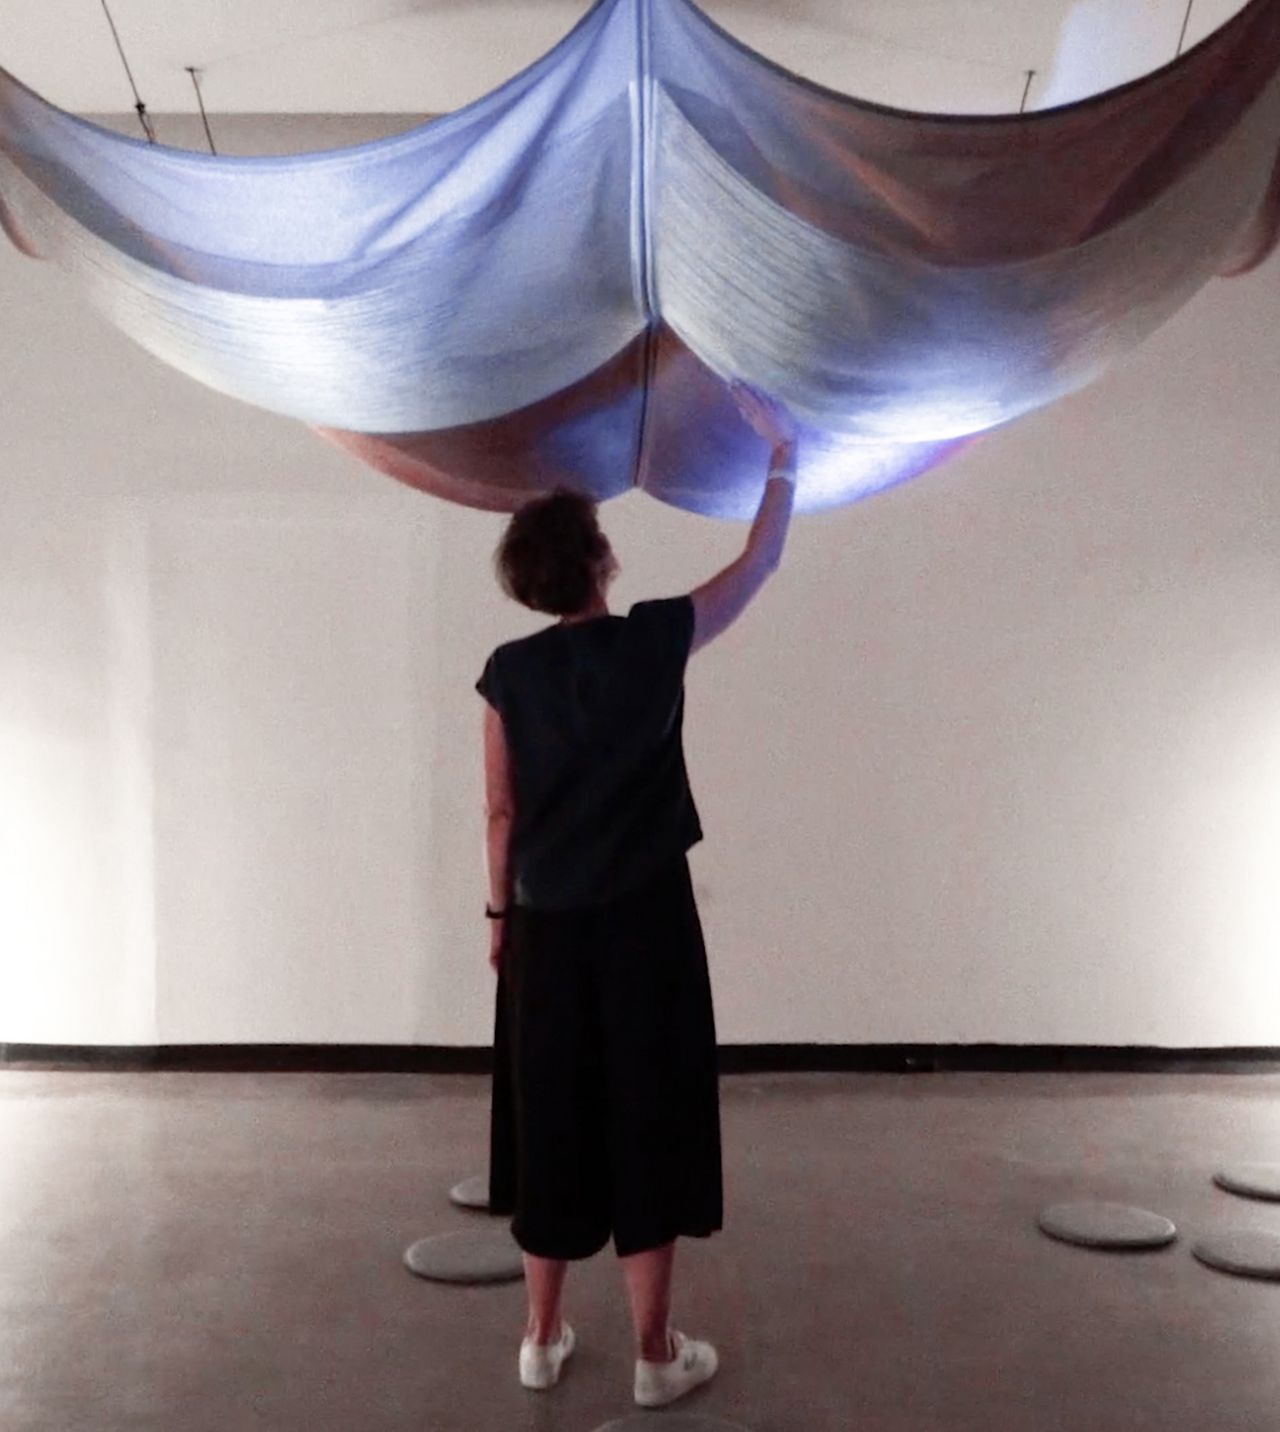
[[782, 468]]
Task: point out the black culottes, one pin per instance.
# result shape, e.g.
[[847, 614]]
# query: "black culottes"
[[606, 1101]]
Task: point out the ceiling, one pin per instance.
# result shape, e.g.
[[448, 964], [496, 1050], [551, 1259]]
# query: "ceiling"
[[429, 56]]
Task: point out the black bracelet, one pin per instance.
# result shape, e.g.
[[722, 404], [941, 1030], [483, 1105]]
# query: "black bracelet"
[[491, 914]]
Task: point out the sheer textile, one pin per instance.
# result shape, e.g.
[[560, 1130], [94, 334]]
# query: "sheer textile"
[[553, 284]]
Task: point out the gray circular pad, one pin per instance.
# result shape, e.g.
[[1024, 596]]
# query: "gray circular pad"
[[471, 1193], [1250, 1180], [672, 1422], [1247, 1252], [1107, 1225], [475, 1255]]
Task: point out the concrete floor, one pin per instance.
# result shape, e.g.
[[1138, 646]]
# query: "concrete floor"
[[221, 1253]]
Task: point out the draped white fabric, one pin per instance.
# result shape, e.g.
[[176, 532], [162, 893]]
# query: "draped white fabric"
[[553, 283]]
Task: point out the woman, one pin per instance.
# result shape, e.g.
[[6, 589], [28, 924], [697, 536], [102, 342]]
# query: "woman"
[[605, 1116]]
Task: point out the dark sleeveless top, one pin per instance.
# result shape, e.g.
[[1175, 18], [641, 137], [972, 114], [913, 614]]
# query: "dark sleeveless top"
[[593, 714]]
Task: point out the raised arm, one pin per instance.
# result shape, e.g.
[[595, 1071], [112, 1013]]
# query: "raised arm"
[[717, 604]]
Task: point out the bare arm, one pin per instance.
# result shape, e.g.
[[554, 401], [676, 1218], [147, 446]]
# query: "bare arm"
[[717, 604], [499, 808]]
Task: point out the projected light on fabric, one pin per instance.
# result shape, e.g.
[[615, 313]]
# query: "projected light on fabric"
[[555, 283]]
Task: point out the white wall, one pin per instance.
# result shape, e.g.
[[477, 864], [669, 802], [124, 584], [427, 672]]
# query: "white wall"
[[996, 756]]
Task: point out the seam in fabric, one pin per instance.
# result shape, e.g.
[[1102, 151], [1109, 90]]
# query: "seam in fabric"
[[642, 122]]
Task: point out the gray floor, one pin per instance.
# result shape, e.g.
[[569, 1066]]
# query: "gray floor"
[[199, 1251]]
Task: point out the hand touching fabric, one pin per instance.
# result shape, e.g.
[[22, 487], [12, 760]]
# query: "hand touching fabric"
[[770, 418]]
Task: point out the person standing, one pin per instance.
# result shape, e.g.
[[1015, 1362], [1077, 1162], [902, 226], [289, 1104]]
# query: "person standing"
[[605, 1116]]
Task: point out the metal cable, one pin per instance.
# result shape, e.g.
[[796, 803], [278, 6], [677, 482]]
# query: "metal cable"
[[143, 118]]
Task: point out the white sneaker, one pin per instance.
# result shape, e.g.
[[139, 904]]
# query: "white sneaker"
[[540, 1366], [658, 1383]]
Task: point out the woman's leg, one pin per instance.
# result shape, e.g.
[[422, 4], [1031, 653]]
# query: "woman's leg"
[[545, 1277], [648, 1278]]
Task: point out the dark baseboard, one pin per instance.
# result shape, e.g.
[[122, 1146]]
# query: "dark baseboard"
[[734, 1058]]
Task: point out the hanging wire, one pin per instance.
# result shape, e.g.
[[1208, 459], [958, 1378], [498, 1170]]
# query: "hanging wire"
[[147, 128], [195, 80], [1186, 20], [1022, 108]]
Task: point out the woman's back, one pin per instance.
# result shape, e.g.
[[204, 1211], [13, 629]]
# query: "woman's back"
[[593, 715]]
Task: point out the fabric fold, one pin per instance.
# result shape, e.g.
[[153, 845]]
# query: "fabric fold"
[[553, 285]]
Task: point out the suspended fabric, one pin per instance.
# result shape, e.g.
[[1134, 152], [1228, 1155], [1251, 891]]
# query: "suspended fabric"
[[555, 283]]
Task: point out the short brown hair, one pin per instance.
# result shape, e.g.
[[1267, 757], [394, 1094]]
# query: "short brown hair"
[[549, 557]]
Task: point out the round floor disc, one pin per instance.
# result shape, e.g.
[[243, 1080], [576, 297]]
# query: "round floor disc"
[[472, 1193], [1246, 1252], [1250, 1180], [1107, 1225], [474, 1255], [672, 1422]]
